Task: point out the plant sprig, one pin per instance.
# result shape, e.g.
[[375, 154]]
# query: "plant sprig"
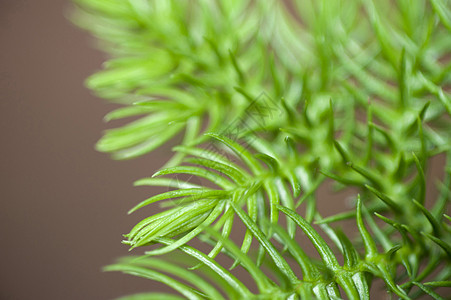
[[271, 98]]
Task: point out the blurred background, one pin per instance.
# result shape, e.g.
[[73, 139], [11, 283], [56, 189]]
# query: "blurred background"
[[63, 206]]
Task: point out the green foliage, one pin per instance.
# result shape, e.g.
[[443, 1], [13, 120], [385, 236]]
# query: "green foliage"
[[273, 99]]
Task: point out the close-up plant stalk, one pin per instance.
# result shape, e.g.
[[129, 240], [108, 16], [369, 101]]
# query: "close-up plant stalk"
[[264, 105]]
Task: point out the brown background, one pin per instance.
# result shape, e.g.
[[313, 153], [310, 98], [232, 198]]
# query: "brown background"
[[63, 206]]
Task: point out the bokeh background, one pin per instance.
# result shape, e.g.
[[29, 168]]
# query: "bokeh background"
[[63, 205]]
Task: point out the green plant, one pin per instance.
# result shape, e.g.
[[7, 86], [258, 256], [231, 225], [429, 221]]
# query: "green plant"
[[272, 99]]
